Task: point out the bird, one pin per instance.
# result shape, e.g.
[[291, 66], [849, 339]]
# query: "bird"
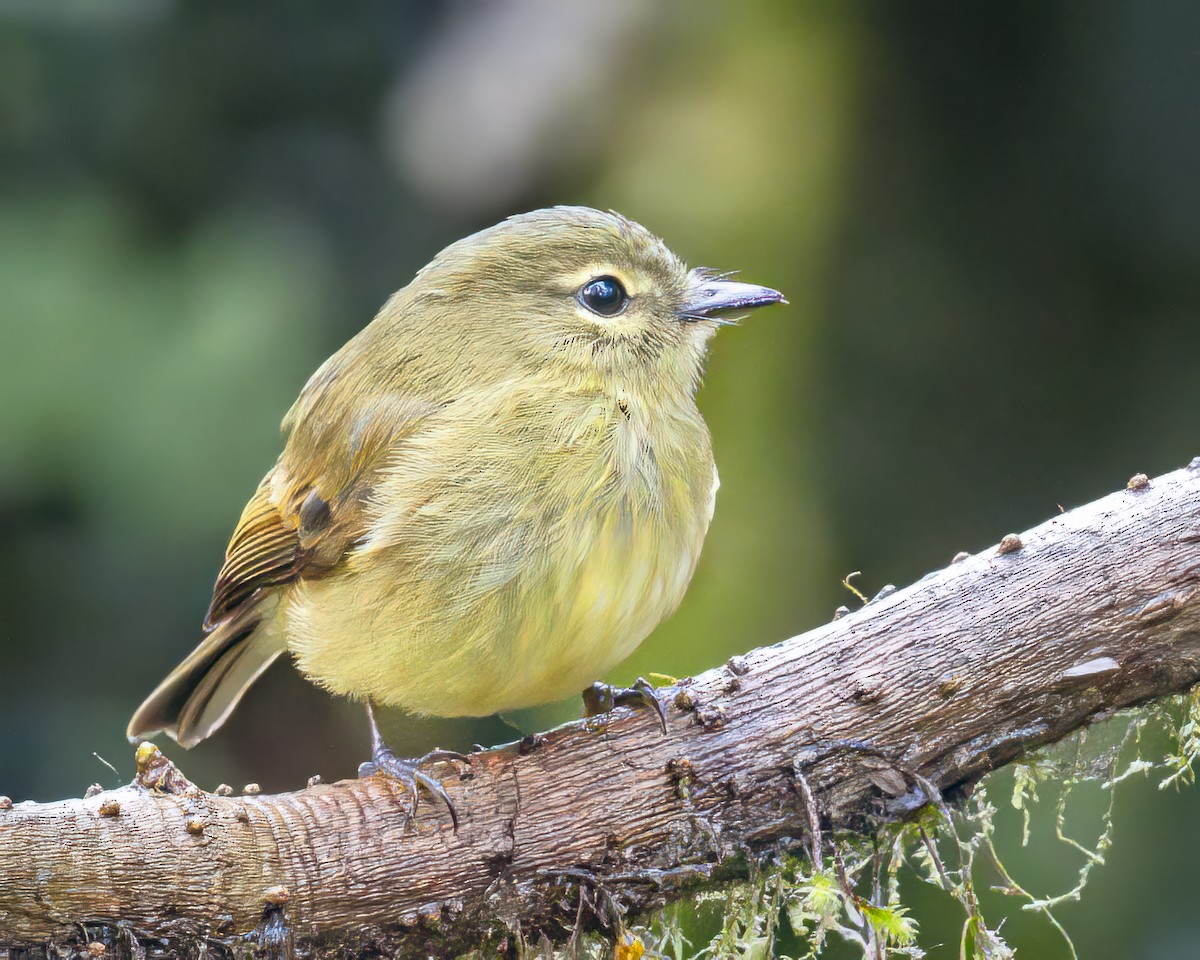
[[488, 497]]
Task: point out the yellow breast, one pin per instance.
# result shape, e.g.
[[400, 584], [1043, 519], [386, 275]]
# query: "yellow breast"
[[515, 572]]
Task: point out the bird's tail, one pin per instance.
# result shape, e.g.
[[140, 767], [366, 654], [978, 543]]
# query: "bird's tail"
[[199, 694]]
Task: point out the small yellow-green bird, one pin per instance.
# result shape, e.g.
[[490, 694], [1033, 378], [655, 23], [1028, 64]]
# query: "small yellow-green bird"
[[489, 496]]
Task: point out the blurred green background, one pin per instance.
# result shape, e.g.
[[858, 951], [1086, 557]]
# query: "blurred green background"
[[985, 217]]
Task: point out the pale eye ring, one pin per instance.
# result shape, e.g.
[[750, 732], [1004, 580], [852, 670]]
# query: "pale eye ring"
[[604, 296]]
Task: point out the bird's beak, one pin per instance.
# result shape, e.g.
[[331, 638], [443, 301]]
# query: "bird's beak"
[[709, 295]]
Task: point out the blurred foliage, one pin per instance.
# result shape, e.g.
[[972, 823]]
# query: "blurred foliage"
[[984, 218]]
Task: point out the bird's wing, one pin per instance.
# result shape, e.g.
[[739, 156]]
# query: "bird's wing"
[[265, 550], [311, 508]]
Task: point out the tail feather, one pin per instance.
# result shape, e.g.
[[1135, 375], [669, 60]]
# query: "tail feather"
[[198, 695]]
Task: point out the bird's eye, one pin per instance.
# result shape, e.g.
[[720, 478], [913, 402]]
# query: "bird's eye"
[[604, 296]]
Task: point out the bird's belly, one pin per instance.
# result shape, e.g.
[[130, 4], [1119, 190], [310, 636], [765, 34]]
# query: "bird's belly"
[[434, 640], [585, 617]]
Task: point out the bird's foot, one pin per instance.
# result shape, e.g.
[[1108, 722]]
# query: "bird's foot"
[[384, 762], [603, 697], [409, 773]]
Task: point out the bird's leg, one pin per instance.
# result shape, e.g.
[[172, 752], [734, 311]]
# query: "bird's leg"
[[603, 697], [385, 763]]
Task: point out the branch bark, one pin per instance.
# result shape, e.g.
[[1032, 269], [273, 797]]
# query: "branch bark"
[[937, 684]]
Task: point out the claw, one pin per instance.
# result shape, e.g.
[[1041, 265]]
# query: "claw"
[[385, 763], [603, 698], [649, 697]]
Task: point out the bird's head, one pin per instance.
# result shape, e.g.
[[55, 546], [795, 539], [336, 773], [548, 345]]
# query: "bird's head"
[[586, 290]]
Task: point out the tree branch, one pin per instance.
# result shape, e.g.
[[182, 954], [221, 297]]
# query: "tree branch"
[[932, 686]]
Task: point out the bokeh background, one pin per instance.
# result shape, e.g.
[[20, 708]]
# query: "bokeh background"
[[985, 217]]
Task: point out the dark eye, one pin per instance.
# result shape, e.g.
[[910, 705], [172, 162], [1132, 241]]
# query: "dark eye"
[[604, 296]]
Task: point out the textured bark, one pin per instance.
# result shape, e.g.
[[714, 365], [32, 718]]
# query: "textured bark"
[[934, 685]]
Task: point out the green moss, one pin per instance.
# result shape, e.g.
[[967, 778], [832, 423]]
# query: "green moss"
[[783, 906]]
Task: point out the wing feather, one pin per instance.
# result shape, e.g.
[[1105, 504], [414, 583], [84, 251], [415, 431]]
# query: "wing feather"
[[264, 551], [310, 508]]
